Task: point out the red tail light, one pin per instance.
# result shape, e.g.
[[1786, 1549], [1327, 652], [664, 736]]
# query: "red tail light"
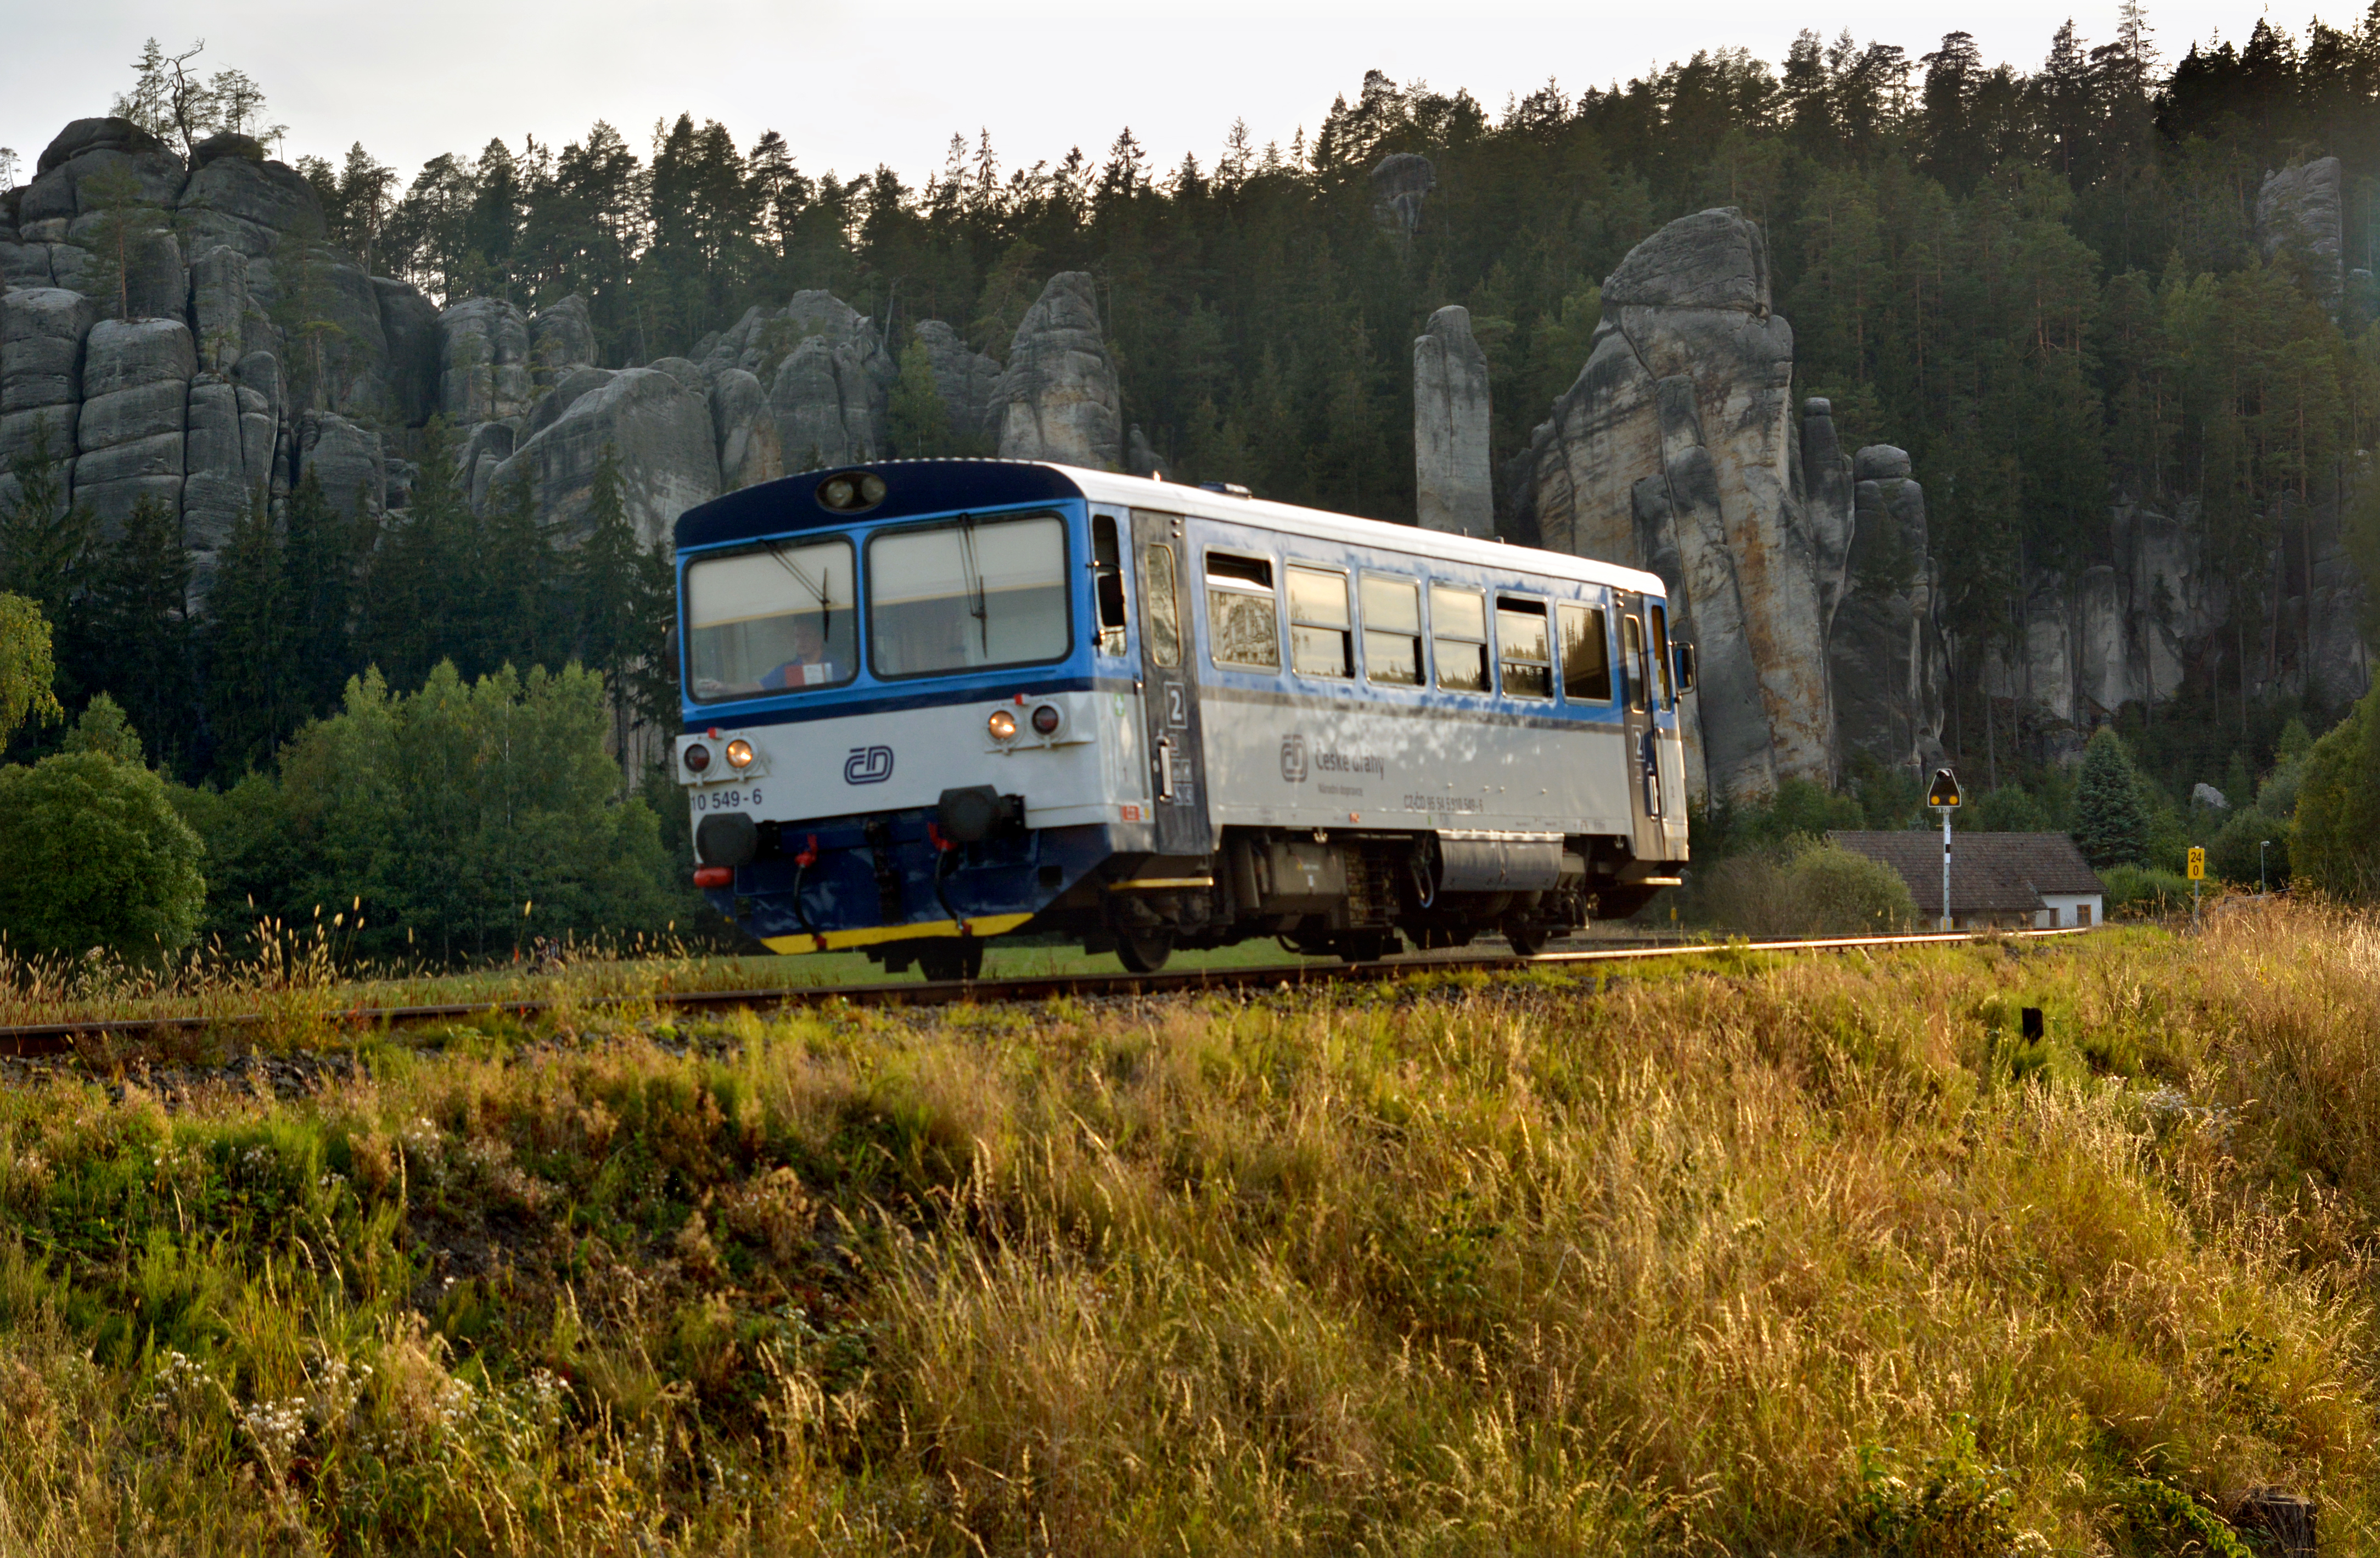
[[714, 876]]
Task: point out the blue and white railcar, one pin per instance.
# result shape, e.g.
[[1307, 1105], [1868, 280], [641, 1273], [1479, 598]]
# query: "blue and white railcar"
[[928, 703]]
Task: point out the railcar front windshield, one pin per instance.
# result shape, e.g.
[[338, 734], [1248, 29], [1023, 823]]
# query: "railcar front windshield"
[[774, 618], [968, 596]]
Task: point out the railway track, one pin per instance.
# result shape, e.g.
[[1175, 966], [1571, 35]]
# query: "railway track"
[[66, 1038]]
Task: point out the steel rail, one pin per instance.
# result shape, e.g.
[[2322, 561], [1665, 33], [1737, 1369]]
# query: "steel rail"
[[51, 1039]]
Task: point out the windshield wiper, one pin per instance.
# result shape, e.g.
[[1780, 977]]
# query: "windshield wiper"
[[819, 587], [977, 607]]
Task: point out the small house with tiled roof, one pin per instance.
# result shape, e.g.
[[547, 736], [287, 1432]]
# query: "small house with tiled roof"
[[2006, 881]]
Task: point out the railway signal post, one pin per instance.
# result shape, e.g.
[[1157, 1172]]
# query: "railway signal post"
[[1943, 796], [2197, 875]]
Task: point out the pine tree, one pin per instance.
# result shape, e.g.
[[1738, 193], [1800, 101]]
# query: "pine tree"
[[513, 620], [323, 553], [2111, 827], [253, 673], [139, 647], [422, 573], [611, 600], [917, 422], [44, 544], [125, 215]]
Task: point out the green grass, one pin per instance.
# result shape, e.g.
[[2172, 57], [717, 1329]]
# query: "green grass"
[[1762, 1254], [302, 983]]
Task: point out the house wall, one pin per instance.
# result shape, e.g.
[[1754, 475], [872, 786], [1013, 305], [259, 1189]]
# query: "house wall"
[[2060, 915]]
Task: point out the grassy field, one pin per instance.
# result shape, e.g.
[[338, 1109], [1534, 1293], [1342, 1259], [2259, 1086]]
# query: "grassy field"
[[1752, 1256]]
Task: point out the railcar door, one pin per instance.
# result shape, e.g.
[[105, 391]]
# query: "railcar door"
[[1646, 804], [1170, 686]]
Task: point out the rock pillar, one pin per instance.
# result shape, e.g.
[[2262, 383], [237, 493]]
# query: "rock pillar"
[[1452, 489]]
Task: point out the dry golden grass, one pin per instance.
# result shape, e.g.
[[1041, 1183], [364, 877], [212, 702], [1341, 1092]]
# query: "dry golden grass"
[[1768, 1255]]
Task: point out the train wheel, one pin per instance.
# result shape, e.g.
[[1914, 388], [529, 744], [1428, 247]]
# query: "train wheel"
[[1528, 941], [1144, 952], [960, 959]]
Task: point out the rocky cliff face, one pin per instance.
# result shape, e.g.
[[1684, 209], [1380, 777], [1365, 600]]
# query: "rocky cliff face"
[[2132, 630], [965, 379], [1057, 400], [1674, 451], [1452, 482], [2303, 209], [230, 356], [1885, 653]]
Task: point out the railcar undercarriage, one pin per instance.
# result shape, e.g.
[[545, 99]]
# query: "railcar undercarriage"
[[1353, 894]]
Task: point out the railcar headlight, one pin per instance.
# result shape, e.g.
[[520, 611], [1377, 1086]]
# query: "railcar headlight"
[[1045, 719], [697, 757], [1003, 726], [852, 491], [739, 753]]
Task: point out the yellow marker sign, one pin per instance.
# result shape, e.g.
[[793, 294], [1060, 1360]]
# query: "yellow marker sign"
[[2197, 863]]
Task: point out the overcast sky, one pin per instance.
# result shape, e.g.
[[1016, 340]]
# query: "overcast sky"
[[851, 85]]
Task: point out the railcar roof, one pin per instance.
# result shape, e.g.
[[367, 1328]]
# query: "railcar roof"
[[918, 487]]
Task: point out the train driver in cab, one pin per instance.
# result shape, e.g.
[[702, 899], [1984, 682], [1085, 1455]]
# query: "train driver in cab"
[[808, 666]]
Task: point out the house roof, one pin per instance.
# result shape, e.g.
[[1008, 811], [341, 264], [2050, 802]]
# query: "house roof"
[[1990, 873]]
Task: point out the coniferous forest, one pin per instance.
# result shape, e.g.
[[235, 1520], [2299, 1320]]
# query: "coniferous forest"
[[2040, 277]]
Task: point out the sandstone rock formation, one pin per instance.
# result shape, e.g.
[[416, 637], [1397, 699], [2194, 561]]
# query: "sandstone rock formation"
[[560, 338], [2303, 209], [1140, 457], [661, 435], [831, 390], [965, 378], [1675, 451], [749, 450], [136, 386], [236, 354], [1400, 181], [485, 375], [1885, 651], [41, 334], [1058, 400], [1452, 483], [2131, 629]]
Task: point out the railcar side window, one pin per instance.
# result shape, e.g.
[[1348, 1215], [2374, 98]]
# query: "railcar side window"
[[968, 596], [1525, 657], [1391, 630], [772, 618], [1458, 630], [1660, 616], [1632, 659], [1243, 620], [1322, 639], [1586, 656], [1107, 573], [1164, 604]]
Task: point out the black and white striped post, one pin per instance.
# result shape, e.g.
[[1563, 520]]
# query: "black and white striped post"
[[1944, 798]]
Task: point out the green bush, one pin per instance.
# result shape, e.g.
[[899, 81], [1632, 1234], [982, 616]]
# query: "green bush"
[[27, 667], [2334, 839], [1816, 889], [1848, 894], [93, 855], [2143, 890], [1800, 810], [2233, 853], [455, 822], [2011, 809]]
